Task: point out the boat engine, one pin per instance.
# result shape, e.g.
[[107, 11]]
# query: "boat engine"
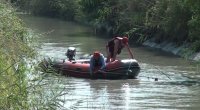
[[71, 53]]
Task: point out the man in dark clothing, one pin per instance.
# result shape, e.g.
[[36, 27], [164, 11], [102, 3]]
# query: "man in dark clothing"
[[114, 47]]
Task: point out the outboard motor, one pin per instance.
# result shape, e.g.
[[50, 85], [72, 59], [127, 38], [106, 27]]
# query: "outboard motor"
[[71, 53]]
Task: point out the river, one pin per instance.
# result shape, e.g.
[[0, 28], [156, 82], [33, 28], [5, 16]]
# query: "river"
[[177, 88]]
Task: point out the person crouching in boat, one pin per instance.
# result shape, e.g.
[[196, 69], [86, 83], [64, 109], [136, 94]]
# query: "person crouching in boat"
[[114, 47], [97, 62]]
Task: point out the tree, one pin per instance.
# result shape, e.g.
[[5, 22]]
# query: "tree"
[[171, 17]]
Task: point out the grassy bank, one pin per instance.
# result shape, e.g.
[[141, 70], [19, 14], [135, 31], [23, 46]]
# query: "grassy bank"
[[22, 85], [13, 50]]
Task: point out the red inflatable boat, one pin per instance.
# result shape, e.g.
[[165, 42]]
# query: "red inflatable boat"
[[119, 69]]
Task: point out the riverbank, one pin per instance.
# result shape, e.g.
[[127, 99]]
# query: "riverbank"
[[179, 50], [183, 50]]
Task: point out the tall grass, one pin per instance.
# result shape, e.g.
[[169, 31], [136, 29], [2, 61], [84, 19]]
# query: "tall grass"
[[22, 86]]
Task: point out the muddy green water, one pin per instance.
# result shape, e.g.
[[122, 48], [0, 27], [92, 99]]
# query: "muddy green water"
[[173, 90]]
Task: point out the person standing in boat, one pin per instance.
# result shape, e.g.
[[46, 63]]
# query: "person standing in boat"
[[114, 47], [97, 62]]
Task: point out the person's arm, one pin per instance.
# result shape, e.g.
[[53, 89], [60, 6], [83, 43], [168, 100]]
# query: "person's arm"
[[115, 49], [108, 53], [129, 50], [102, 62], [107, 50], [91, 65]]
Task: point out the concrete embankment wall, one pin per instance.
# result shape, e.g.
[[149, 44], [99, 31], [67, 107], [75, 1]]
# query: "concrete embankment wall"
[[173, 48]]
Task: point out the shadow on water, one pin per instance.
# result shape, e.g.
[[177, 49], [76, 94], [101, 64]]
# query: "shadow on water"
[[78, 34], [169, 75], [184, 83]]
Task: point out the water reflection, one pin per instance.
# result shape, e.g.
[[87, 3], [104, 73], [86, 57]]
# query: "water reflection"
[[130, 94], [100, 94]]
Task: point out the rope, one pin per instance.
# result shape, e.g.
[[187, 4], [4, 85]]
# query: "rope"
[[162, 72], [129, 68]]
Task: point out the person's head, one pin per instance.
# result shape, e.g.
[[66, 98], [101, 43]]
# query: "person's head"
[[125, 40], [96, 54]]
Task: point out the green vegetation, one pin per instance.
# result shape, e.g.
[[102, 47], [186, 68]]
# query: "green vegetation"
[[13, 50], [171, 20], [22, 86], [64, 9]]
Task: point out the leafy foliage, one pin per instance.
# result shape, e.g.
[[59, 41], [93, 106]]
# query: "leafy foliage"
[[171, 16], [65, 9], [194, 24], [22, 86], [14, 48], [173, 20]]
